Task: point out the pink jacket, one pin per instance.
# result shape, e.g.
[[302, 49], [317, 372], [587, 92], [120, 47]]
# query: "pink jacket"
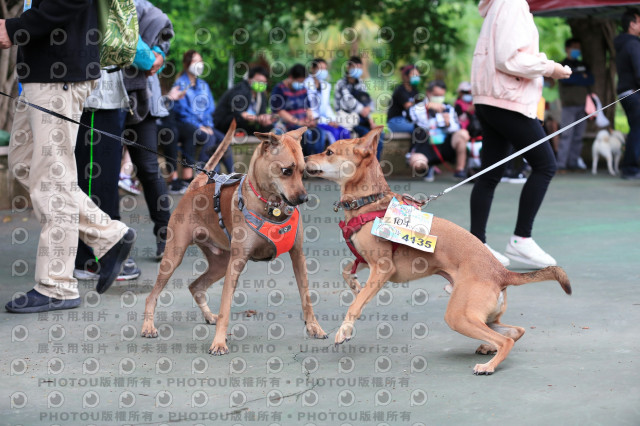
[[507, 66]]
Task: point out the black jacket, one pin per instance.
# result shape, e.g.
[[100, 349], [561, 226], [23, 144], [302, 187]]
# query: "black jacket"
[[233, 103], [52, 38], [627, 62]]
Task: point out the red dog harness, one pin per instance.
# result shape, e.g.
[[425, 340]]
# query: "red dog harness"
[[353, 226]]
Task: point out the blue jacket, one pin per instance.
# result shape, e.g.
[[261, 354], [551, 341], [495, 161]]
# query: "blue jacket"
[[197, 106]]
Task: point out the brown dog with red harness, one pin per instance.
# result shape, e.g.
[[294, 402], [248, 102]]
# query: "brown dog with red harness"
[[479, 280], [235, 218]]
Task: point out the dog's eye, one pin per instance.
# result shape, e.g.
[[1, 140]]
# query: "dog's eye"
[[329, 152], [287, 172]]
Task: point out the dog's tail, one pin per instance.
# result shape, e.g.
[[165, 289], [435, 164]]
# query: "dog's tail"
[[549, 273], [217, 155]]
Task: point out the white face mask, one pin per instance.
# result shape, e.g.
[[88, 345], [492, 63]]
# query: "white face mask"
[[196, 68], [437, 99]]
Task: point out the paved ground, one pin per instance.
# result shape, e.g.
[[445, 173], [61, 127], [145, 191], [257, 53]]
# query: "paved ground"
[[577, 364]]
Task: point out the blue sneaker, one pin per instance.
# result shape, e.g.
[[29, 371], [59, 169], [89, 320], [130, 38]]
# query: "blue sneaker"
[[38, 302], [430, 176]]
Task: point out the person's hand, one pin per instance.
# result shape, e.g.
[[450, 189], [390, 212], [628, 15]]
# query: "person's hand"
[[447, 119], [248, 117], [560, 72], [176, 93], [208, 130], [435, 106], [5, 41], [157, 64], [372, 124], [265, 120]]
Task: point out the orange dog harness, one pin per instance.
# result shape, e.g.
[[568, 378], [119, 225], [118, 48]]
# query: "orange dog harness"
[[281, 235]]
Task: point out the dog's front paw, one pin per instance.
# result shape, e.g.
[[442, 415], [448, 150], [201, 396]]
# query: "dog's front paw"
[[344, 333], [485, 349], [314, 330], [148, 330], [211, 318], [218, 348], [483, 369]]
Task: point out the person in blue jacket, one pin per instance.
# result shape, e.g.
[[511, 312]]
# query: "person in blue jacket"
[[191, 121]]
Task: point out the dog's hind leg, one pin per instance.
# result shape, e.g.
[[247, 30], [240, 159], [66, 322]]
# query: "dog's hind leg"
[[609, 158], [215, 270], [594, 156]]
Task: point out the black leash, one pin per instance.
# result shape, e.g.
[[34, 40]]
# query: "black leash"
[[120, 139]]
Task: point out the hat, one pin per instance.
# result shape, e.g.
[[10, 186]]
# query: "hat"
[[465, 86]]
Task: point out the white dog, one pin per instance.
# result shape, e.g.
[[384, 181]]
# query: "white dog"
[[609, 145]]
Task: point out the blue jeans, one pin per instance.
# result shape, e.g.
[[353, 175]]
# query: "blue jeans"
[[400, 124], [629, 164], [336, 132]]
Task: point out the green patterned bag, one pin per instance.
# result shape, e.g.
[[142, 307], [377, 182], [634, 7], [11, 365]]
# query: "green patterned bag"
[[118, 25]]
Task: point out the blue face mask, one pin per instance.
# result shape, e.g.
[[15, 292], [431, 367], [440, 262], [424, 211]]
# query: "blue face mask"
[[322, 75], [575, 53], [297, 85], [355, 72], [468, 98], [414, 80]]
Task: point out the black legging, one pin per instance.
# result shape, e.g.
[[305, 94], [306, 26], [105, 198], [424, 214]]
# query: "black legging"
[[500, 129]]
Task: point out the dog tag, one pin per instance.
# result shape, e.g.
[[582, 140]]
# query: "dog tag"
[[276, 212], [288, 210]]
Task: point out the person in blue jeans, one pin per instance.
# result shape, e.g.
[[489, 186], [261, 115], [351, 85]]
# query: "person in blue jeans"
[[191, 123], [627, 47], [290, 101], [402, 99]]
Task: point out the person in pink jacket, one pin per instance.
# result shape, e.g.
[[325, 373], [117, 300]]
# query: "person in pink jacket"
[[506, 78]]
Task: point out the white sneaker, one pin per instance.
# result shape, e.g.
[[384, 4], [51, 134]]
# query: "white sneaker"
[[501, 258], [526, 251]]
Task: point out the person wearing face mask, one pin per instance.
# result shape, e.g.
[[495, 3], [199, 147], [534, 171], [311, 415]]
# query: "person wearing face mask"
[[351, 97], [437, 137], [319, 96], [627, 46], [191, 123], [469, 121], [573, 92], [402, 99], [247, 102], [290, 101]]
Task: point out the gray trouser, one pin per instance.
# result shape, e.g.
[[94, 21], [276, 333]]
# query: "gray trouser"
[[570, 147]]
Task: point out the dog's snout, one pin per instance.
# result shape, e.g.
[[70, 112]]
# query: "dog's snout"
[[303, 198]]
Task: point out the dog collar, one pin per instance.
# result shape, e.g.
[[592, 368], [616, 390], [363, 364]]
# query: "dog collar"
[[356, 204], [271, 207]]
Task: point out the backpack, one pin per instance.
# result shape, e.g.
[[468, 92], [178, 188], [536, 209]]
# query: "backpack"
[[118, 25]]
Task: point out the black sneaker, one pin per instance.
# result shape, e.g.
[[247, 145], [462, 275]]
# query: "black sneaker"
[[111, 262], [460, 175], [177, 186], [34, 301]]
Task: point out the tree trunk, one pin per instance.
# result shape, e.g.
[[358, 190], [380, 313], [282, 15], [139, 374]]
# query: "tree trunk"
[[596, 37]]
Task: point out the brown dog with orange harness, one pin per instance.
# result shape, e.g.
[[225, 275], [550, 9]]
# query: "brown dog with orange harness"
[[479, 280], [235, 218]]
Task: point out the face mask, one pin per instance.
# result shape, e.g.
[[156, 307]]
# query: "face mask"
[[437, 99], [414, 80], [468, 98], [355, 72], [575, 53], [259, 86], [297, 85], [322, 75], [196, 68]]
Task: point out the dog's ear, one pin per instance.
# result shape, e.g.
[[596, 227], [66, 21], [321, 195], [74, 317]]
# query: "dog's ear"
[[268, 139], [297, 133], [368, 144]]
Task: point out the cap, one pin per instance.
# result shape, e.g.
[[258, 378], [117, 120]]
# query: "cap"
[[465, 86]]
